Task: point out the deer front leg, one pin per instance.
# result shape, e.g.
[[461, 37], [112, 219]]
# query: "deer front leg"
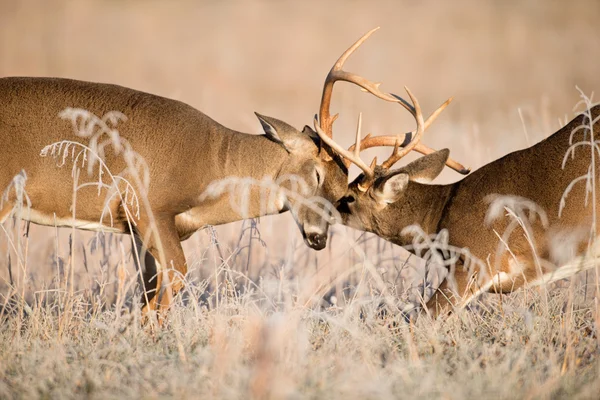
[[148, 273], [461, 285], [450, 292], [163, 261]]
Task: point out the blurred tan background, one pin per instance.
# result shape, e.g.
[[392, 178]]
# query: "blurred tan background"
[[499, 59]]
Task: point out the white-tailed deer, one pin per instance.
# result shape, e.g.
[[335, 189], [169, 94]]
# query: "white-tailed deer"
[[186, 155], [184, 150], [545, 190]]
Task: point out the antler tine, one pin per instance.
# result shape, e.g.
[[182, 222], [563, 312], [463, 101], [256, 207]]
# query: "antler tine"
[[358, 137], [353, 158], [397, 153], [324, 123], [437, 112], [389, 141], [325, 118], [404, 139], [337, 74], [340, 61], [377, 141]]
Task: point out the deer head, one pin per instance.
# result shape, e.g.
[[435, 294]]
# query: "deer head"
[[365, 206], [311, 179], [327, 173], [379, 186]]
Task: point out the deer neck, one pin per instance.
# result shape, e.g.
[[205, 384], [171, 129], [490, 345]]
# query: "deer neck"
[[249, 156], [241, 167], [424, 206]]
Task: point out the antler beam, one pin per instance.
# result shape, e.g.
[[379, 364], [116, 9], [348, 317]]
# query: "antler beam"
[[324, 122], [403, 140], [338, 74]]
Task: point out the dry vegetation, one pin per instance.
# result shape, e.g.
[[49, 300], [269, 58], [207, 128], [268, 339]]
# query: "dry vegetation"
[[263, 315]]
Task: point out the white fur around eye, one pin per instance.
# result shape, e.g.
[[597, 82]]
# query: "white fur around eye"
[[319, 176]]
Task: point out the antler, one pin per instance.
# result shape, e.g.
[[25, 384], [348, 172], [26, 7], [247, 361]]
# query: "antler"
[[324, 123], [398, 154], [405, 140], [352, 156], [336, 73]]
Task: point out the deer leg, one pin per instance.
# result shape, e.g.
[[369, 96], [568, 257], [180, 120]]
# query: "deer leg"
[[514, 271], [148, 276], [165, 265], [459, 288], [450, 292]]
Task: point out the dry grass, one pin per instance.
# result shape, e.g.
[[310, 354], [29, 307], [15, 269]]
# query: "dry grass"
[[259, 318], [263, 341]]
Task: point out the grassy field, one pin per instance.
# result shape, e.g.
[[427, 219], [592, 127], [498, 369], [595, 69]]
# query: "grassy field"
[[264, 316]]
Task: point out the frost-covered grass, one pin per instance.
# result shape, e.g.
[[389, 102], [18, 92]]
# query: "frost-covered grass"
[[263, 316], [265, 343]]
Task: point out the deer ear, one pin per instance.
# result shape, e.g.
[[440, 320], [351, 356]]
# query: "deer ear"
[[427, 168], [268, 125], [285, 135], [389, 188], [308, 131]]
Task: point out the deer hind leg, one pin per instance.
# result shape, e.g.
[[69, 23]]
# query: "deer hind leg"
[[518, 268], [460, 289], [163, 261], [514, 270]]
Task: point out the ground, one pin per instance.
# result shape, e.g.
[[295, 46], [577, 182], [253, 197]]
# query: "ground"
[[264, 316]]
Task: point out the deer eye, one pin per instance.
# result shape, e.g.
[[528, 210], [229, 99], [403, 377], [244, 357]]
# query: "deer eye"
[[318, 174], [343, 204], [347, 199]]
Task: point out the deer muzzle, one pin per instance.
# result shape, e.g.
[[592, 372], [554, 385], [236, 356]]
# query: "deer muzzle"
[[316, 241]]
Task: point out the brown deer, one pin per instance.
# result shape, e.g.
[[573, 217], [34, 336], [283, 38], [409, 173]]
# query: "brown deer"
[[186, 157], [184, 151], [544, 189]]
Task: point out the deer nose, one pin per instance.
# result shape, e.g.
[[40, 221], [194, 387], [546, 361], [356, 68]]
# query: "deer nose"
[[317, 241]]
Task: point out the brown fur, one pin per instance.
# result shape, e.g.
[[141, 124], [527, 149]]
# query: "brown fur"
[[185, 151], [534, 173]]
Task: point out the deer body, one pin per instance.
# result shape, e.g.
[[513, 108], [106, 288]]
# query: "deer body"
[[396, 200], [185, 152]]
